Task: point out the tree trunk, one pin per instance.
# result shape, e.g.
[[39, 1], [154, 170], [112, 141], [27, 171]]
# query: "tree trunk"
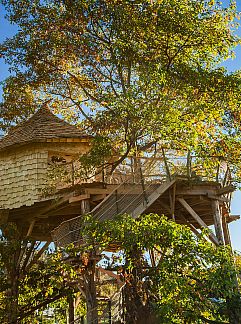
[[234, 307], [13, 295], [71, 309], [90, 290], [136, 301]]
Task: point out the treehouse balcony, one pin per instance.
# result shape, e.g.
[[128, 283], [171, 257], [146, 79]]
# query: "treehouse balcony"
[[173, 185]]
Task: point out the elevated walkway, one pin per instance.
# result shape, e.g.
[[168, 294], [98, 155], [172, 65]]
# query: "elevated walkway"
[[190, 202]]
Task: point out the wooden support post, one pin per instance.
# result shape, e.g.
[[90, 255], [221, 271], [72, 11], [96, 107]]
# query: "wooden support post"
[[31, 226], [109, 311], [85, 206], [172, 198], [197, 218], [71, 309], [226, 234], [193, 228], [90, 291], [166, 165], [217, 221]]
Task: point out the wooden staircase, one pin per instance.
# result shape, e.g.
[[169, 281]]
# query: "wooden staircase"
[[128, 198]]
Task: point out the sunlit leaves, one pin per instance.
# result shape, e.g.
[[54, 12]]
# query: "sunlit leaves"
[[192, 279], [138, 72]]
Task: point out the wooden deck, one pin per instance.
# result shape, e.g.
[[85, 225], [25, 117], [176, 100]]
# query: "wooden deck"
[[188, 202], [193, 203]]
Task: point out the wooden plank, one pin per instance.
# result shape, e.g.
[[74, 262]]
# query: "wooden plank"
[[78, 198], [226, 190], [99, 191], [85, 206], [30, 229], [195, 192], [217, 221], [152, 198], [233, 218], [197, 218], [44, 212], [215, 197], [226, 233]]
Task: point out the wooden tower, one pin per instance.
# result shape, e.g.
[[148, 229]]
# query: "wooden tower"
[[27, 153]]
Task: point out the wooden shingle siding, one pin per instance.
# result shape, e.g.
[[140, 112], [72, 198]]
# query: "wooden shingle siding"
[[26, 152], [22, 177]]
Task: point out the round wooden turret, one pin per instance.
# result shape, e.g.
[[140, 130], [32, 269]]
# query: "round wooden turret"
[[26, 153], [28, 149]]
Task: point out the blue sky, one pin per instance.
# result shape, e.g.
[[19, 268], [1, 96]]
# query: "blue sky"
[[7, 30]]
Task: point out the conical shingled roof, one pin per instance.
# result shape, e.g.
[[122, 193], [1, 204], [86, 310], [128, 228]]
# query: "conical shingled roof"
[[41, 127]]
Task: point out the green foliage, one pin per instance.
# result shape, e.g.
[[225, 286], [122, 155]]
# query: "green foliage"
[[192, 279], [29, 281], [137, 72]]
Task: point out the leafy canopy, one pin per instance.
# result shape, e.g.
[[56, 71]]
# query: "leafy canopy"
[[139, 72], [192, 280]]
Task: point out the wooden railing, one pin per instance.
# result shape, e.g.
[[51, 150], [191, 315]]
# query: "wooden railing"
[[152, 168]]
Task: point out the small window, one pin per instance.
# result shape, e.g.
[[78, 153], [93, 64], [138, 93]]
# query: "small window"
[[57, 160]]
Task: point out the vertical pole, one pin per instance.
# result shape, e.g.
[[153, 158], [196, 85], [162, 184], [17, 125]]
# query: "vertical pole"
[[109, 310], [189, 164], [72, 172], [116, 202], [85, 206], [217, 221], [71, 309], [90, 288], [166, 165], [226, 234], [172, 198]]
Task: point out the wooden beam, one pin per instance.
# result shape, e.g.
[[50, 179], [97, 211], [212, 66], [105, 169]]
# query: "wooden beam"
[[30, 229], [78, 198], [172, 197], [226, 233], [217, 221], [233, 218], [100, 191], [215, 197], [193, 228], [85, 207], [44, 212], [195, 192], [153, 197], [226, 190], [197, 218]]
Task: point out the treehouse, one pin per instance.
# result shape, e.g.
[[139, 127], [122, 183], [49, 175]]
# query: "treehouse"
[[43, 191], [27, 154]]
